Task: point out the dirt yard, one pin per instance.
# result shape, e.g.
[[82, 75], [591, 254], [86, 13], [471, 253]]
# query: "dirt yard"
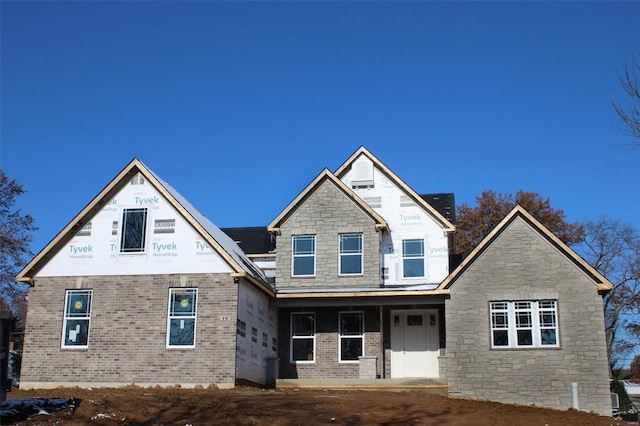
[[246, 406]]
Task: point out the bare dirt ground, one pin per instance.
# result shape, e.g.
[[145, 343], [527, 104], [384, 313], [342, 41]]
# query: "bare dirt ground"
[[247, 406]]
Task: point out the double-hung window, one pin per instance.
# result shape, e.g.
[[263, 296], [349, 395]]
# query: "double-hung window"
[[134, 226], [413, 257], [351, 326], [350, 254], [525, 323], [77, 316], [181, 324], [304, 255], [303, 337]]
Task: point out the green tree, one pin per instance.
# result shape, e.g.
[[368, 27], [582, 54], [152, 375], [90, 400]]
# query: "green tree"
[[475, 223], [15, 235]]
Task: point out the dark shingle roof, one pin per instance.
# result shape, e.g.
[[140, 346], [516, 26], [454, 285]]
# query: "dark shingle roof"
[[253, 239], [444, 203]]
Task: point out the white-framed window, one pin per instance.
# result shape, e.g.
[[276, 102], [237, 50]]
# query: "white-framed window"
[[350, 254], [303, 336], [181, 323], [524, 324], [413, 257], [351, 336], [77, 318], [134, 230], [304, 255]]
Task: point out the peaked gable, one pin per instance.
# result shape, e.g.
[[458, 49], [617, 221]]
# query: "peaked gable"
[[363, 177], [212, 236], [519, 213], [323, 177]]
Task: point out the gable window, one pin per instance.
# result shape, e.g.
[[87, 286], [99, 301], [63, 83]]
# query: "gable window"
[[77, 316], [350, 254], [134, 225], [181, 324], [413, 258], [304, 255], [351, 326], [522, 324], [303, 337]]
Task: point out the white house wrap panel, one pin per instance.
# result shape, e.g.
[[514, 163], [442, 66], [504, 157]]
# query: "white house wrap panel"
[[171, 244], [256, 334], [406, 221]]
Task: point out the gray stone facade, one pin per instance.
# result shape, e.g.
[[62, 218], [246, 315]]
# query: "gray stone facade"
[[522, 265], [127, 337], [326, 365], [327, 213]]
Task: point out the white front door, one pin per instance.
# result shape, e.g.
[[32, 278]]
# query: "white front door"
[[415, 343]]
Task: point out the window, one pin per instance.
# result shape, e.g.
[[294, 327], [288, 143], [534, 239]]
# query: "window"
[[303, 337], [304, 255], [77, 316], [181, 327], [351, 328], [522, 324], [350, 254], [134, 224], [413, 258], [241, 328]]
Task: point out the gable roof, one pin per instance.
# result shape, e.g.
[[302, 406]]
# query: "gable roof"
[[212, 235], [324, 176], [518, 211], [446, 225]]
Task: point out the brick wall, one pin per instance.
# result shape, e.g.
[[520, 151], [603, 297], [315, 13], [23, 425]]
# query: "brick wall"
[[327, 213], [326, 365], [521, 265], [127, 337]]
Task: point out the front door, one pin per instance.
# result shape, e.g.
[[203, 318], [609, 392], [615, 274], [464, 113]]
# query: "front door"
[[415, 343]]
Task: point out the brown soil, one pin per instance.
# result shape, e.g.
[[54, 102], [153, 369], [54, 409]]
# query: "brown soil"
[[247, 406]]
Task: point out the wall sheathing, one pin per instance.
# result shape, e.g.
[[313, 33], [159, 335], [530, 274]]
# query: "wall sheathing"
[[406, 220], [128, 331], [521, 265], [172, 246], [259, 318]]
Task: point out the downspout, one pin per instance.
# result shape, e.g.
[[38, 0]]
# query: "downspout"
[[382, 367]]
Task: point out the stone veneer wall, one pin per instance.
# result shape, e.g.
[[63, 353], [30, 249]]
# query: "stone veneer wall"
[[127, 336], [521, 265], [326, 365], [326, 213]]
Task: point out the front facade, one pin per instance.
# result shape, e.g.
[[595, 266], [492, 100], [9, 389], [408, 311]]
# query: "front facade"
[[141, 288], [352, 282]]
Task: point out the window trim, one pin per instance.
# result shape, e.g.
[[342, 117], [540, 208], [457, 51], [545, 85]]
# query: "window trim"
[[294, 255], [510, 311], [292, 338], [341, 336], [170, 317], [67, 317], [413, 257], [140, 250], [359, 253]]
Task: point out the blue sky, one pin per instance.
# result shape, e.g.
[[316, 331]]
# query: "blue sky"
[[239, 105]]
